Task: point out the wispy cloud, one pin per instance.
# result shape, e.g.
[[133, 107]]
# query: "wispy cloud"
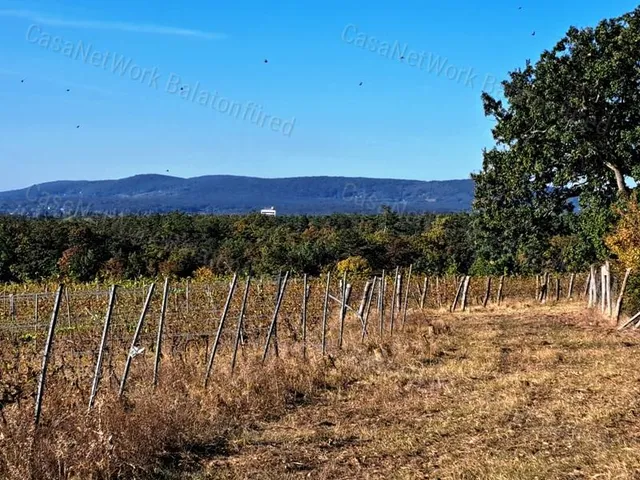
[[118, 26]]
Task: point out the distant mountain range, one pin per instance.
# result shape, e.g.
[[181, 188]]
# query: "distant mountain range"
[[226, 194]]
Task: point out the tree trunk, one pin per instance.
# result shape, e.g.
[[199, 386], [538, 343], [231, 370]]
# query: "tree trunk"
[[622, 187]]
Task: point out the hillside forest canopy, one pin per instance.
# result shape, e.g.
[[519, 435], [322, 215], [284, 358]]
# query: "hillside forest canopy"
[[557, 192]]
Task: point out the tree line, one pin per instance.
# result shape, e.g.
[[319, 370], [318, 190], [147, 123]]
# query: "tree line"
[[184, 245]]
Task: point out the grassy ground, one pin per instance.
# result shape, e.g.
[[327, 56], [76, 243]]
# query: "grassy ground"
[[529, 393]]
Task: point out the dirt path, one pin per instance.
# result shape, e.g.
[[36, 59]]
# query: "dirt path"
[[505, 395]]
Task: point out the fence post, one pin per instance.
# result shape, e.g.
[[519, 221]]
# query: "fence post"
[[103, 343], [557, 288], [67, 303], [393, 299], [163, 311], [423, 296], [467, 281], [572, 279], [609, 302], [12, 306], [305, 297], [487, 293], [240, 320], [216, 342], [499, 294], [46, 354], [587, 286], [621, 294], [399, 288], [406, 296], [603, 289], [274, 321], [455, 299], [343, 307], [368, 307], [593, 288], [381, 294], [365, 296], [324, 315], [136, 336]]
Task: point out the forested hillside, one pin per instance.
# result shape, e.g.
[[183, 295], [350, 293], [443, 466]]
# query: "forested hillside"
[[180, 244], [226, 194]]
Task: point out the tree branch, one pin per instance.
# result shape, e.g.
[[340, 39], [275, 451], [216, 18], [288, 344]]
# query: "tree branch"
[[622, 187]]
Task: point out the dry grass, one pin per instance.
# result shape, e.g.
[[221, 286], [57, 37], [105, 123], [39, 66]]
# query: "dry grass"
[[534, 393], [520, 392]]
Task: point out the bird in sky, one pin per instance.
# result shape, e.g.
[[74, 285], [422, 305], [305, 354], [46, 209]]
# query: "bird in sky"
[[68, 89], [519, 8], [266, 61], [361, 84], [533, 34], [22, 81], [78, 126]]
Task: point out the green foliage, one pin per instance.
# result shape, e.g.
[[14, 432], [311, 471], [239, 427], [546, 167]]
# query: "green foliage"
[[566, 129]]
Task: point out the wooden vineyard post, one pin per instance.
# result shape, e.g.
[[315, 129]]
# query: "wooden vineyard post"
[[46, 355], [12, 306], [457, 296], [593, 288], [487, 293], [557, 288], [67, 304], [305, 297], [587, 285], [544, 289], [274, 321], [465, 292], [499, 294], [399, 287], [609, 281], [365, 296], [216, 342], [393, 300], [603, 289], [324, 314], [134, 341], [368, 307], [381, 294], [163, 312], [245, 296], [406, 296], [572, 280], [35, 319], [343, 308], [103, 342], [423, 296], [621, 294]]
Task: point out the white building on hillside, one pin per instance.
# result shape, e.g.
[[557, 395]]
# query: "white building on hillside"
[[271, 212]]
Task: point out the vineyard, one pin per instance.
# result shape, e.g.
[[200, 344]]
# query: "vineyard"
[[98, 380]]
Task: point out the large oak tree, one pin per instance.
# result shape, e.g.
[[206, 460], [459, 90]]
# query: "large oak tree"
[[568, 127]]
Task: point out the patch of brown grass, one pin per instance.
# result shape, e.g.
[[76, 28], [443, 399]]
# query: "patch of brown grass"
[[506, 393], [541, 393]]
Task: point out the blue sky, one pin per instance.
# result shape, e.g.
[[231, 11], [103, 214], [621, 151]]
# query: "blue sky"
[[403, 122]]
